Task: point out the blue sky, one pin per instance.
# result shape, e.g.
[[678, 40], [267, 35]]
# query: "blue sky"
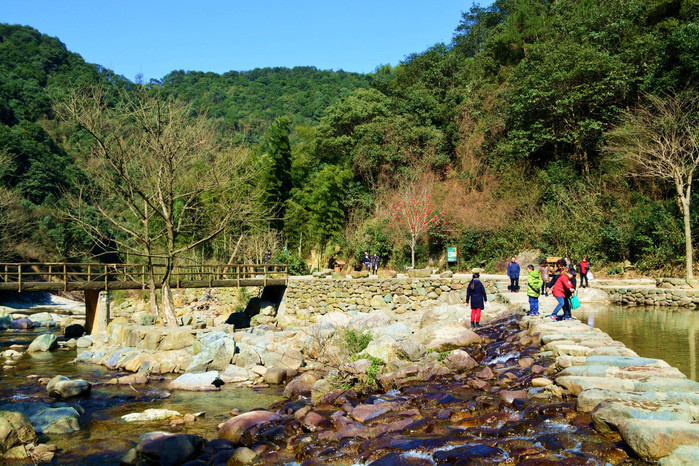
[[154, 37]]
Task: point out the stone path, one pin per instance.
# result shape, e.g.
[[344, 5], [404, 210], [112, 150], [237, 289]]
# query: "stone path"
[[652, 405]]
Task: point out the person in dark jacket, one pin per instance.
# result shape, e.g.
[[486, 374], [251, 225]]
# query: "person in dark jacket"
[[513, 272], [375, 264], [571, 272], [475, 294], [367, 261]]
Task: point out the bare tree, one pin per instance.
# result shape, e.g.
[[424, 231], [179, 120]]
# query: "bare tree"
[[159, 175], [659, 139]]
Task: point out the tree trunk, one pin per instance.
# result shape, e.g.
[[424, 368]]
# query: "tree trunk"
[[168, 307], [689, 250], [168, 304]]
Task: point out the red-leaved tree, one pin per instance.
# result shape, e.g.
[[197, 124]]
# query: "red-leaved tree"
[[412, 217]]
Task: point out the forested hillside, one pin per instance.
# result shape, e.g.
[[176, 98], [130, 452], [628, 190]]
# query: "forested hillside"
[[504, 133]]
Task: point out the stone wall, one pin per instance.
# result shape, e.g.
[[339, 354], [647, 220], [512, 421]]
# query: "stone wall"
[[654, 297], [320, 296]]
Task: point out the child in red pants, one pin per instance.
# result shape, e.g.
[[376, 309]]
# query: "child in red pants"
[[475, 294]]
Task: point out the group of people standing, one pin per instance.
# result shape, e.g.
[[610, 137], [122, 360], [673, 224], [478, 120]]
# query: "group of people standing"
[[559, 279], [371, 263]]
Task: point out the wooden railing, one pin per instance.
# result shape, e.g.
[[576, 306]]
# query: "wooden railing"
[[78, 276]]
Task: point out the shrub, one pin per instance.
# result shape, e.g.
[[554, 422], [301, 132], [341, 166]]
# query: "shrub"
[[353, 341]]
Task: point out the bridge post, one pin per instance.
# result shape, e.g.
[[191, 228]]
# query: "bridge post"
[[96, 311]]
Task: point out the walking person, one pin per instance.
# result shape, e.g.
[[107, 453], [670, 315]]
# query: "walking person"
[[513, 272], [571, 272], [534, 284], [475, 294], [544, 272], [584, 268], [367, 261], [375, 264], [562, 289]]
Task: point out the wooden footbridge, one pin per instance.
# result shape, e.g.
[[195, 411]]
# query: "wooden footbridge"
[[61, 276], [92, 278]]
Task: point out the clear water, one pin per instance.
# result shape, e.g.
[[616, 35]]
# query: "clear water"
[[671, 334], [104, 437]]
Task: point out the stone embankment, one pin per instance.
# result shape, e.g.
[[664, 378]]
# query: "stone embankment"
[[650, 404], [674, 292], [305, 298]]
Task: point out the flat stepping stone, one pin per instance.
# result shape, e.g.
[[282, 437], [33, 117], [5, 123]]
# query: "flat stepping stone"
[[681, 456], [625, 361], [608, 415], [589, 399], [627, 372], [582, 336], [652, 440], [569, 350], [613, 351], [576, 384]]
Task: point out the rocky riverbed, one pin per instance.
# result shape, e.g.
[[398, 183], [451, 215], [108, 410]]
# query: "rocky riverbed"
[[494, 404], [425, 390]]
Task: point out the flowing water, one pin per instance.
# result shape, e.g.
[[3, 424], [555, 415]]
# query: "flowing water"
[[671, 334], [104, 436]]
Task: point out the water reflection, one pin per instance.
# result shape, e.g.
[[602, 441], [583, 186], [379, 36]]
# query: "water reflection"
[[654, 332]]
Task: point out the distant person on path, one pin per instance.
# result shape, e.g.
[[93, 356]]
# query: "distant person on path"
[[268, 256], [367, 261], [513, 272], [475, 294], [571, 272], [584, 268], [534, 284], [375, 264], [562, 289], [544, 272]]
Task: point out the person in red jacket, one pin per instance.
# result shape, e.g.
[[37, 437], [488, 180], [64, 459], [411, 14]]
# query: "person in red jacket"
[[562, 289], [584, 268]]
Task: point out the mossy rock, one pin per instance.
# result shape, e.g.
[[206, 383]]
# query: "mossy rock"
[[419, 273], [360, 274]]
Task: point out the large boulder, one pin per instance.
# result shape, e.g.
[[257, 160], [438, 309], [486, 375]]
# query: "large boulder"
[[42, 319], [169, 449], [212, 351], [43, 343], [459, 361], [176, 339], [371, 320], [206, 381], [397, 331], [301, 385], [652, 440], [608, 415], [15, 429], [445, 313], [57, 419], [234, 428], [384, 348], [21, 324], [63, 387], [74, 331], [236, 374], [443, 336], [5, 321]]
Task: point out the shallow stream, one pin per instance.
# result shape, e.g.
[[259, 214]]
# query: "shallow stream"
[[104, 436], [671, 334]]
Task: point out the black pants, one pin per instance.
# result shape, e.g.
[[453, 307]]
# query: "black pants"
[[583, 280], [572, 280], [514, 284]]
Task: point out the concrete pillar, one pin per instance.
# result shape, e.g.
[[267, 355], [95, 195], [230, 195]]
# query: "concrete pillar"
[[96, 311]]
